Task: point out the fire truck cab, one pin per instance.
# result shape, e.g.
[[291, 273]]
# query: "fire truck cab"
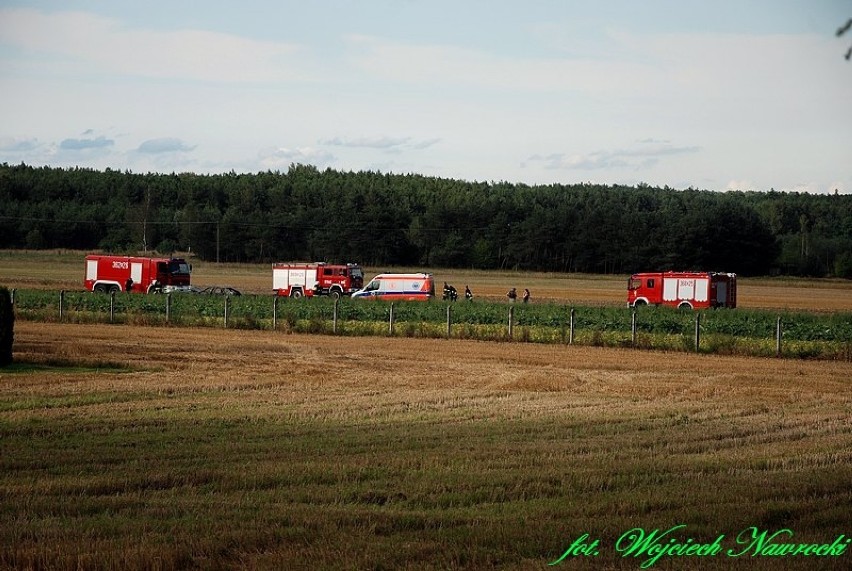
[[686, 290]]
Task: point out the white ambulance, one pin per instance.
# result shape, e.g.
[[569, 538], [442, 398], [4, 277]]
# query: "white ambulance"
[[398, 287]]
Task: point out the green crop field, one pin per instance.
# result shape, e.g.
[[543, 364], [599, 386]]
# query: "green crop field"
[[746, 332]]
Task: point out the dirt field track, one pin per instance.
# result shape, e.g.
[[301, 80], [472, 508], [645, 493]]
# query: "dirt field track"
[[182, 359]]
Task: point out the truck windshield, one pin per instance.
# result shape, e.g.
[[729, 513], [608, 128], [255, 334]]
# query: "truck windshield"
[[178, 267]]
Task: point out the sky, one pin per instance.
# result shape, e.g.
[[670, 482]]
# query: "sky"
[[723, 95]]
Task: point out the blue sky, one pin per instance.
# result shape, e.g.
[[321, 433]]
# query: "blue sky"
[[746, 95]]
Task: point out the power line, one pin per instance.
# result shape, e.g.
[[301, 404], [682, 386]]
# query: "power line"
[[240, 224]]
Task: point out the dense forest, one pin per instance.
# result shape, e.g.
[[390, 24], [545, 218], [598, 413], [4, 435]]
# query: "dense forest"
[[390, 219]]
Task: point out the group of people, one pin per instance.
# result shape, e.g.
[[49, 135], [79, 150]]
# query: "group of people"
[[513, 295], [450, 293]]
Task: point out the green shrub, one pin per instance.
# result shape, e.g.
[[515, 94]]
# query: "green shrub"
[[7, 327]]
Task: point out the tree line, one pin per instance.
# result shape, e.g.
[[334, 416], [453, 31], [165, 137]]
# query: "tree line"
[[393, 219]]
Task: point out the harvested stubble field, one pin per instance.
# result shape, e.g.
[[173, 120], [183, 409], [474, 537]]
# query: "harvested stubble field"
[[144, 448]]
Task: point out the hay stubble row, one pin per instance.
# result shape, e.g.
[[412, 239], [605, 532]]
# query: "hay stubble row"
[[319, 451]]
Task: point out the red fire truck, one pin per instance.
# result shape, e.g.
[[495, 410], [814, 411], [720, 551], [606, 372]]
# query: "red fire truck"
[[108, 274], [690, 290], [317, 278]]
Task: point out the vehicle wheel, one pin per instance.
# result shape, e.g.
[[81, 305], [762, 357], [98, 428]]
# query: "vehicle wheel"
[[684, 305], [100, 288], [639, 303], [113, 289], [296, 293], [334, 294]]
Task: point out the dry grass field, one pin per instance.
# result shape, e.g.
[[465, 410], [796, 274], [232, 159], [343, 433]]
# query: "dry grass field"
[[174, 448], [65, 269]]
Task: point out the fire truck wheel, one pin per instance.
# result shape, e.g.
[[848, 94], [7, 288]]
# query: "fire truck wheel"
[[639, 303], [113, 289], [296, 293], [684, 305], [334, 294], [100, 288]]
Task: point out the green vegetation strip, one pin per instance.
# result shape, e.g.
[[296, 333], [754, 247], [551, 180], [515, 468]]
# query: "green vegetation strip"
[[63, 366], [738, 331]]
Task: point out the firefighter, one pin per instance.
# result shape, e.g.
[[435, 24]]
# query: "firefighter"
[[468, 295], [526, 295], [128, 285], [512, 294], [450, 292]]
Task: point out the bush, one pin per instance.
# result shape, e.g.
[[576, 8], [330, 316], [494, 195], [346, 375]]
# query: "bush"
[[7, 327]]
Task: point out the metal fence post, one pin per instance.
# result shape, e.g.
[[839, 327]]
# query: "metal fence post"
[[390, 320], [697, 331], [112, 307], [61, 303], [226, 311], [633, 327], [274, 312], [13, 296], [571, 328], [449, 321], [778, 337], [511, 321], [168, 307], [334, 316]]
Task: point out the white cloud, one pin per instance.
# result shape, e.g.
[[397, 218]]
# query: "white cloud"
[[803, 187], [383, 143], [645, 154], [637, 65], [837, 187], [282, 157], [440, 65], [817, 188], [164, 145], [743, 185], [103, 45], [370, 142], [100, 142], [18, 145]]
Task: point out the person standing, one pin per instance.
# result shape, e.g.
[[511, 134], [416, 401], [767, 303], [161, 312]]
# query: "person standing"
[[450, 292], [512, 295], [526, 295]]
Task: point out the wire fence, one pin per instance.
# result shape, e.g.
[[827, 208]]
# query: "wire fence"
[[723, 331]]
